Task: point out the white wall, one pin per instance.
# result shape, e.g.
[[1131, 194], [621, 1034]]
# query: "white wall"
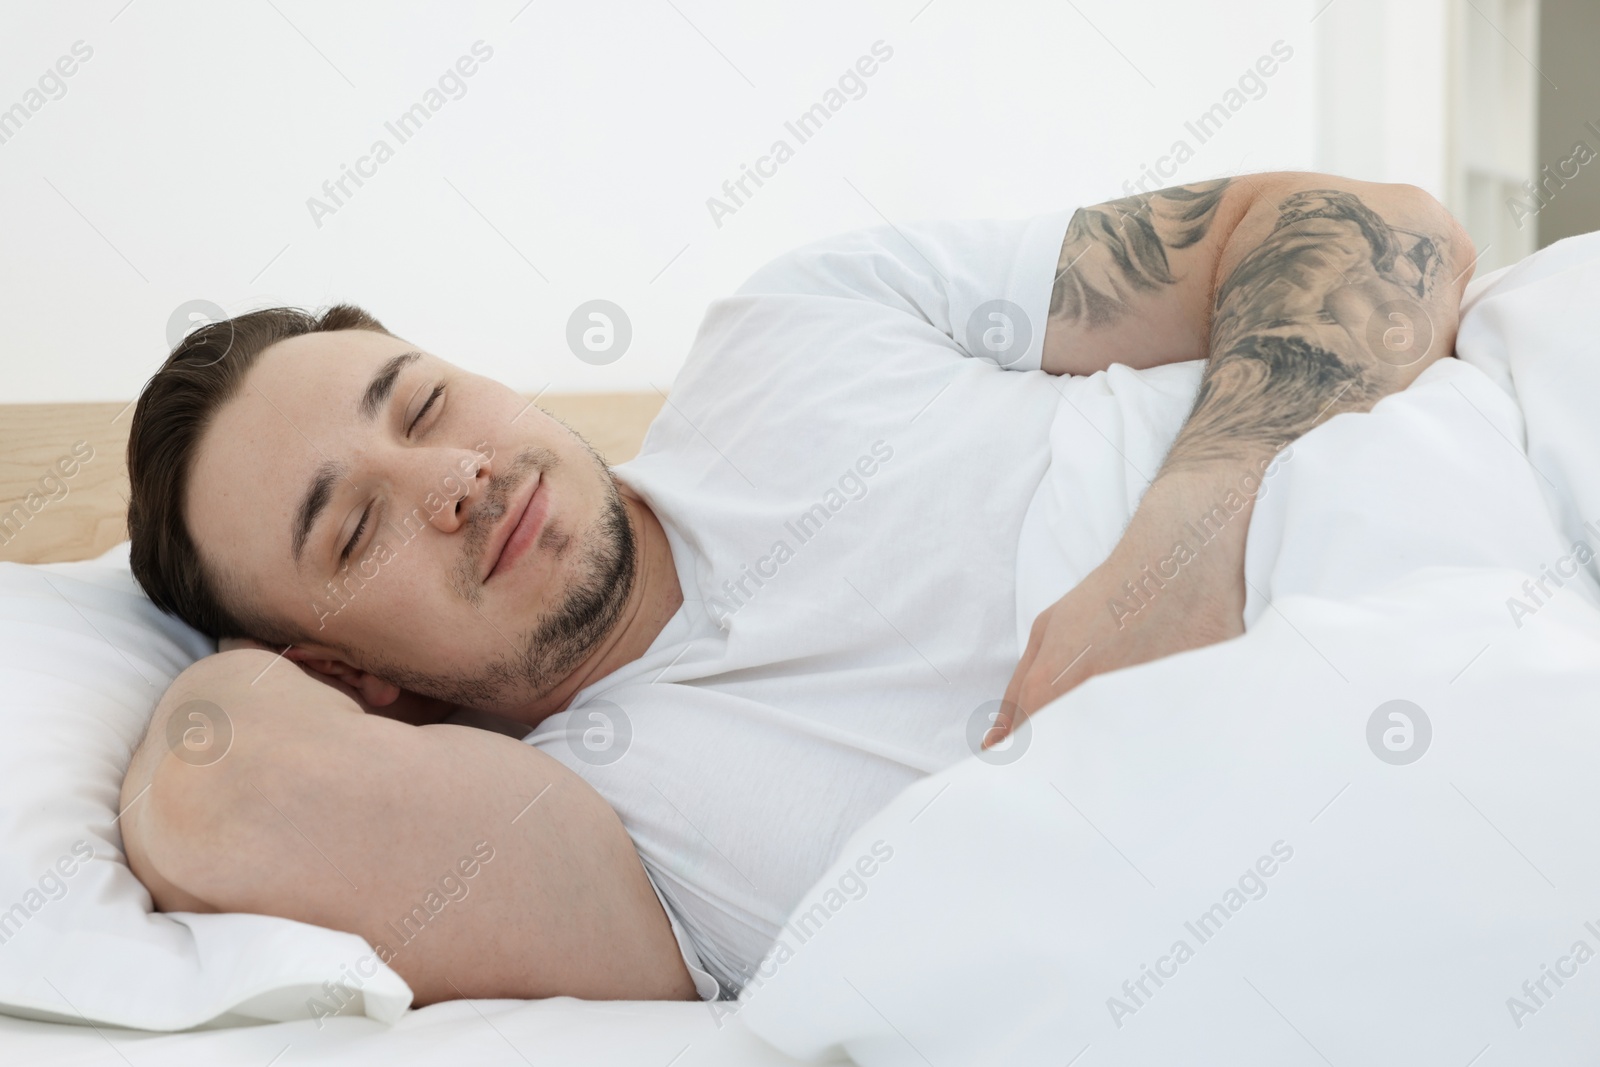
[[1381, 86], [578, 164], [1443, 94]]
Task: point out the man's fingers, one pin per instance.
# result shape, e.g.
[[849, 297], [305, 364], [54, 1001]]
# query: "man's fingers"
[[1056, 688], [1052, 680], [1005, 718]]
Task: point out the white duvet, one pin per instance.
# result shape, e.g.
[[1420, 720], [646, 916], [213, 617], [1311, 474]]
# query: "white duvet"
[[1365, 832]]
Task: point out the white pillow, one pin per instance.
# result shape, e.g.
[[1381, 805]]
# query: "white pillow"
[[1534, 329], [84, 657]]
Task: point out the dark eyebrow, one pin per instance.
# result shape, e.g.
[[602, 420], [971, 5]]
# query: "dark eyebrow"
[[314, 502], [382, 384]]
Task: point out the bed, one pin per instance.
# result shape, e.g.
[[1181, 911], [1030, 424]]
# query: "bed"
[[1362, 832]]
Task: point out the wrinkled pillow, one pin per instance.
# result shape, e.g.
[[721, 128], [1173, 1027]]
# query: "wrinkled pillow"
[[84, 658]]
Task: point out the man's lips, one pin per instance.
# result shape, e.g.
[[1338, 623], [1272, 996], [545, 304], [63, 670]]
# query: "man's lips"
[[517, 529]]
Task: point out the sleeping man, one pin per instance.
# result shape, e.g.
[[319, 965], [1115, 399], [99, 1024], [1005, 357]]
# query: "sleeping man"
[[725, 655]]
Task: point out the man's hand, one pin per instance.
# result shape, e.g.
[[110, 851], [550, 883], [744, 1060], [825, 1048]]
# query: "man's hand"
[[1174, 582]]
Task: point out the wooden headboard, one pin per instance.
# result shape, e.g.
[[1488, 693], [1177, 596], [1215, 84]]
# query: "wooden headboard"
[[57, 505]]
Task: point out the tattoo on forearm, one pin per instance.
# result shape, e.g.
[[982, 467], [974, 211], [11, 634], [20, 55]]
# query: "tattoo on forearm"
[[1118, 248], [1290, 325]]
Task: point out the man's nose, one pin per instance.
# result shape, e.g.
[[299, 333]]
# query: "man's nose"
[[459, 490]]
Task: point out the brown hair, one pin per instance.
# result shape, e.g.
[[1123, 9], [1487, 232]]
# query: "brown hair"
[[204, 372]]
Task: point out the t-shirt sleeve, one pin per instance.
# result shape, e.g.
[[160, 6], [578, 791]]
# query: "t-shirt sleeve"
[[705, 986], [984, 283]]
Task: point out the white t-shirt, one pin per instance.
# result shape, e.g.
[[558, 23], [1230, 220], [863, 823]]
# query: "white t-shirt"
[[842, 485]]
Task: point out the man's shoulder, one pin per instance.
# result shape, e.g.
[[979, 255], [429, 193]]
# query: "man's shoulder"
[[819, 266]]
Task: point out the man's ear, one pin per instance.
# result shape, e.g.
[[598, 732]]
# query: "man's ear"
[[374, 690]]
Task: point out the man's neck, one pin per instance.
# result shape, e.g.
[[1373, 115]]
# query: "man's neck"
[[653, 599]]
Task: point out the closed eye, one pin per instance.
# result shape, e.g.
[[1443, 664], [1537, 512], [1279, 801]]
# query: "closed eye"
[[433, 396], [361, 527]]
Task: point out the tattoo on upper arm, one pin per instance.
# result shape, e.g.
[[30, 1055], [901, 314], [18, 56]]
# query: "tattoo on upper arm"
[[1116, 249], [1292, 337]]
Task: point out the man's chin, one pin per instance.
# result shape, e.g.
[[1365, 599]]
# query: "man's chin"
[[533, 663]]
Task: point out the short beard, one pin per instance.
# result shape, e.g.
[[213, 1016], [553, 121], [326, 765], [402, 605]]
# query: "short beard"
[[563, 637]]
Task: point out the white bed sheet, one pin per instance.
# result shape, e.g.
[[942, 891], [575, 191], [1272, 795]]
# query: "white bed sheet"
[[485, 1033]]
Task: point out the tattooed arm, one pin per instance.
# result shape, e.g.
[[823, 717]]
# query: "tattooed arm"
[[1332, 295], [1309, 295], [1135, 277]]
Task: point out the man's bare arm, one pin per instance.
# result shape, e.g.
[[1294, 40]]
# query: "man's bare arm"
[[1134, 277], [1323, 296], [1333, 295], [1138, 277], [479, 864]]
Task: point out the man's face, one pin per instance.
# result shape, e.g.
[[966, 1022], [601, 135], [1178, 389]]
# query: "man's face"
[[333, 428]]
